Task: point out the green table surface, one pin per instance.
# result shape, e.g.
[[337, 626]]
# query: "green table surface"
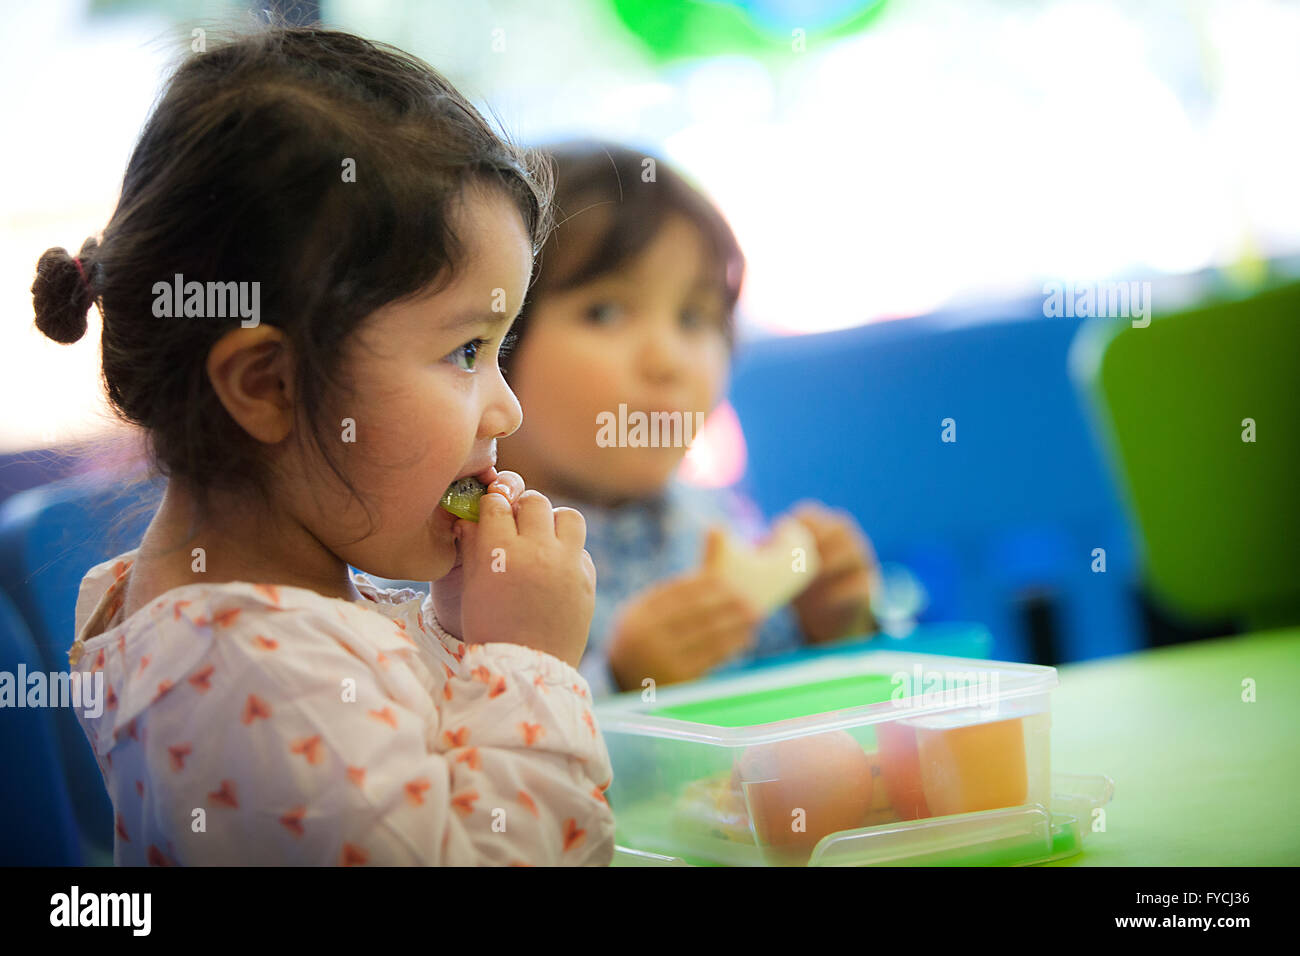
[[1201, 777]]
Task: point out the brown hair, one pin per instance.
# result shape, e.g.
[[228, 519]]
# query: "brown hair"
[[601, 184], [238, 176]]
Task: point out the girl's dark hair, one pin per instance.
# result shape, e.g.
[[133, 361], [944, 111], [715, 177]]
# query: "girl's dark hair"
[[604, 185], [239, 176]]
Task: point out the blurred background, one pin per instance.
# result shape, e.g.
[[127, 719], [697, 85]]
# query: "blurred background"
[[906, 179]]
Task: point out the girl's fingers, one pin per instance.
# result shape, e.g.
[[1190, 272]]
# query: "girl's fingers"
[[508, 483], [570, 527], [534, 515], [495, 516]]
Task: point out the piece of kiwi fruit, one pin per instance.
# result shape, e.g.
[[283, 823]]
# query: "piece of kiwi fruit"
[[462, 498]]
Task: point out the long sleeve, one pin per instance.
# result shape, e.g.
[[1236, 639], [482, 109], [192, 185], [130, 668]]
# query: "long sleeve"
[[317, 732]]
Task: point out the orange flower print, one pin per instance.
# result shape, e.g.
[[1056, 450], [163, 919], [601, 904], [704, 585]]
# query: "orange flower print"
[[357, 775], [470, 756], [139, 788], [254, 708], [178, 754], [265, 643], [226, 795], [415, 790], [457, 737], [144, 662], [590, 721], [226, 618], [385, 715], [353, 855], [270, 590], [464, 802], [531, 732], [527, 801], [309, 747], [157, 858], [111, 698], [292, 821], [176, 608], [202, 680], [481, 673], [572, 835], [498, 688], [120, 829]]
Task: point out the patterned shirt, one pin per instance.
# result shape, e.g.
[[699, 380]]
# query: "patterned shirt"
[[256, 724]]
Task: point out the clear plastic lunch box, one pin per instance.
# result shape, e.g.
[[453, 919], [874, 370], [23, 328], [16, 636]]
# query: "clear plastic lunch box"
[[871, 758]]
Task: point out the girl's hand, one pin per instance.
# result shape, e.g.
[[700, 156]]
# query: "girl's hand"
[[838, 601], [526, 578], [681, 628], [447, 589]]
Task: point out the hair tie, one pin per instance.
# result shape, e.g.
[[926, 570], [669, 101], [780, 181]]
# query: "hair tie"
[[76, 261]]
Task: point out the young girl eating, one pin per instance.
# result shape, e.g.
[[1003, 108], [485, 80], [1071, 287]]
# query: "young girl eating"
[[317, 252], [634, 306]]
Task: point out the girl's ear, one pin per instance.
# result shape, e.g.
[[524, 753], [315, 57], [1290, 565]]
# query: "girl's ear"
[[251, 370]]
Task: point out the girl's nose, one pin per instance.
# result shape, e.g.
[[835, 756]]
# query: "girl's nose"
[[503, 414], [663, 352]]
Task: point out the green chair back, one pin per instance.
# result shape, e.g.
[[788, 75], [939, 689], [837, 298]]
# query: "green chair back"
[[1200, 415]]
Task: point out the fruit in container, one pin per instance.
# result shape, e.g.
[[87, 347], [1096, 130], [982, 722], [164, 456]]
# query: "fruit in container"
[[976, 767], [900, 770], [800, 790]]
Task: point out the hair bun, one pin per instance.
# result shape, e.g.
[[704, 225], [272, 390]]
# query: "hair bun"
[[60, 296]]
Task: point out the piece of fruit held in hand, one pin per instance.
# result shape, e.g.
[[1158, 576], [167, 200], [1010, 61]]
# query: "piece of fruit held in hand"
[[462, 498]]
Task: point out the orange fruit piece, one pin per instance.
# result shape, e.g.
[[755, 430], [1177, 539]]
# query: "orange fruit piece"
[[977, 767]]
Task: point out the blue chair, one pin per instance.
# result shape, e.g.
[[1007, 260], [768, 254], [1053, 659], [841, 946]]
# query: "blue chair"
[[1007, 515], [37, 826], [49, 538]]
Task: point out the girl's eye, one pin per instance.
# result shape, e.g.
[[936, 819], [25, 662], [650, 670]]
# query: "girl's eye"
[[468, 353], [603, 313]]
